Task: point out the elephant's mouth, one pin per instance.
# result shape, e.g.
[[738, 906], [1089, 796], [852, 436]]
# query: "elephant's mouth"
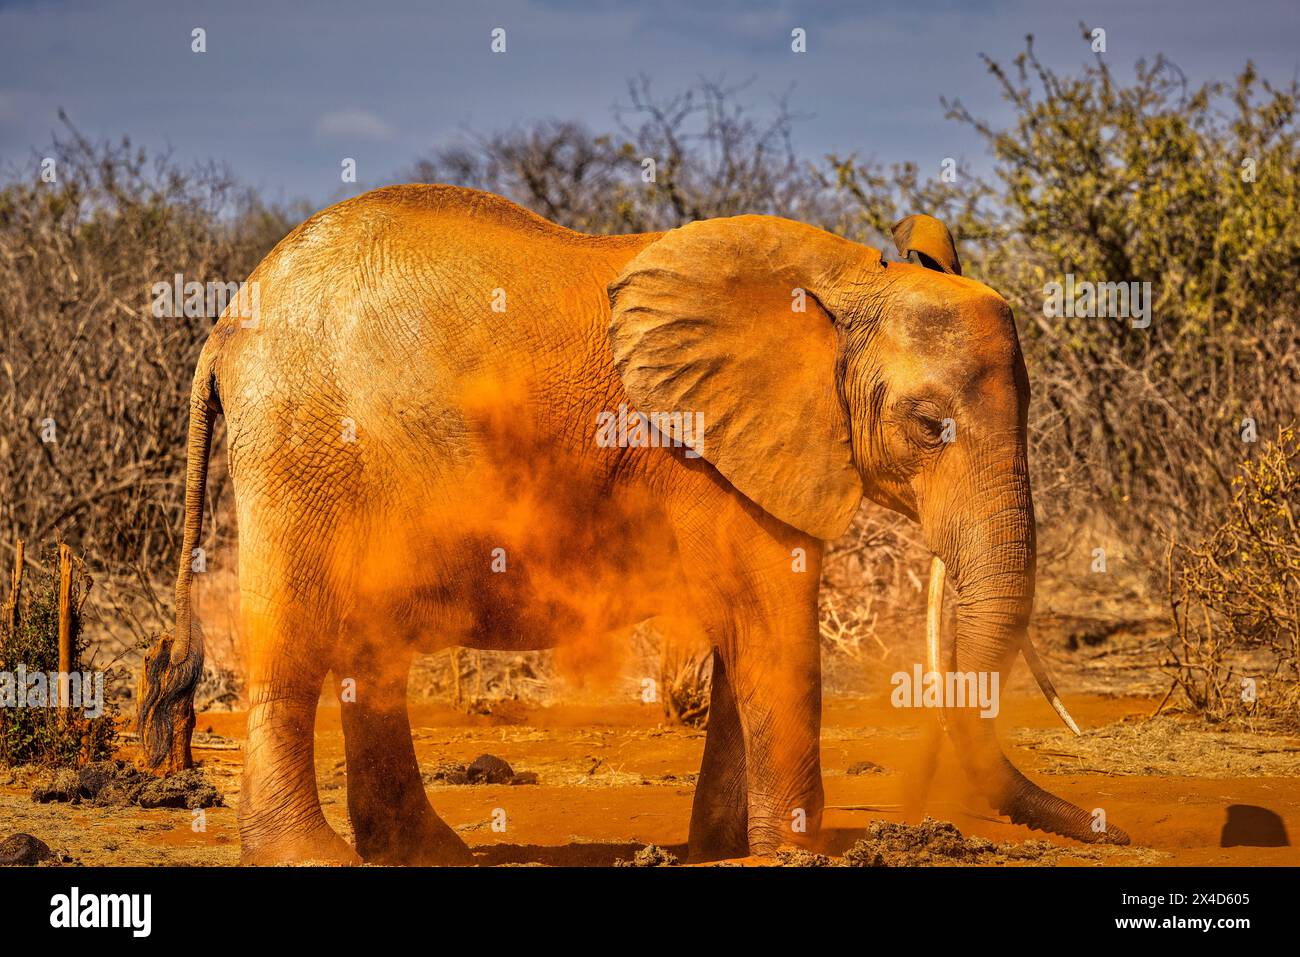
[[1005, 787]]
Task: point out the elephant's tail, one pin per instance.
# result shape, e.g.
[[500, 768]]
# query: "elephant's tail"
[[173, 666]]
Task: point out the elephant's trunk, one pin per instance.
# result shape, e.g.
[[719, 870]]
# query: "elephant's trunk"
[[994, 578]]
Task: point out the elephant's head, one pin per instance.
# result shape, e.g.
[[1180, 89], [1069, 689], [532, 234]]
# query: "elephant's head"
[[824, 373]]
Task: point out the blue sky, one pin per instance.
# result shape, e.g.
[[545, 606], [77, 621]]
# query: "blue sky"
[[286, 89]]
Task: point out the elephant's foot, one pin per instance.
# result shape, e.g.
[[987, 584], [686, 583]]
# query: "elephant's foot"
[[788, 822], [716, 847], [423, 840], [320, 845], [768, 840], [730, 842], [719, 823]]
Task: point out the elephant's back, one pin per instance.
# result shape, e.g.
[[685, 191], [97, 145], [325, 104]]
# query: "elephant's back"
[[439, 219], [422, 307], [461, 267]]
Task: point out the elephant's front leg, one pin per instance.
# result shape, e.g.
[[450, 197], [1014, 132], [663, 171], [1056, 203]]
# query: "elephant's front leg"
[[391, 816], [774, 671], [755, 584]]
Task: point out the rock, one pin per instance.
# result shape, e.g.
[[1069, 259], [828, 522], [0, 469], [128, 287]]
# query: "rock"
[[188, 789], [489, 769], [23, 850], [486, 769], [61, 785]]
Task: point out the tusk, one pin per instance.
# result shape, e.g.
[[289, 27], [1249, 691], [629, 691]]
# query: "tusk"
[[1045, 683], [933, 624]]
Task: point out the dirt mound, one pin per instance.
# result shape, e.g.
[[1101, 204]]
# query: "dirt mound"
[[116, 784], [188, 789], [935, 843], [652, 855], [23, 850], [864, 767], [61, 785], [485, 769], [802, 858]]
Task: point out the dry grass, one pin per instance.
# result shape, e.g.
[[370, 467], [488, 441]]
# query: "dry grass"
[[1162, 746]]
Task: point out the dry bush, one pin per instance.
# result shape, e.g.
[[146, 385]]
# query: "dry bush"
[[93, 388], [874, 588], [714, 156], [682, 668], [685, 677], [29, 638], [1235, 598]]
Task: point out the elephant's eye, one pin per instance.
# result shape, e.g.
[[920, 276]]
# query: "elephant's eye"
[[928, 427], [923, 421], [933, 427]]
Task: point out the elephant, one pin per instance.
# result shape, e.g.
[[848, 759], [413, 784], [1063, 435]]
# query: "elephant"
[[419, 438]]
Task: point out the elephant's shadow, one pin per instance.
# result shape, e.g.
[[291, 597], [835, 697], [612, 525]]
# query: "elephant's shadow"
[[1247, 825]]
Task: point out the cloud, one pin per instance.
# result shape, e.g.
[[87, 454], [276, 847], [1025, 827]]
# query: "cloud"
[[353, 124]]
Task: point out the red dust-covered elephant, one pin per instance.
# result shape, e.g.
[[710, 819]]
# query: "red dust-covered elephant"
[[420, 438]]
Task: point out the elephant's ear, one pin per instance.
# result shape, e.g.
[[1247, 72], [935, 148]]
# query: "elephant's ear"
[[723, 318], [930, 240]]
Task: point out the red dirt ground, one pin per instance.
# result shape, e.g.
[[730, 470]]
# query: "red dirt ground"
[[611, 779]]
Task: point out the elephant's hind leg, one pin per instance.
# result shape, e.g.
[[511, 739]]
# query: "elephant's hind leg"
[[280, 819], [391, 815], [720, 812]]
